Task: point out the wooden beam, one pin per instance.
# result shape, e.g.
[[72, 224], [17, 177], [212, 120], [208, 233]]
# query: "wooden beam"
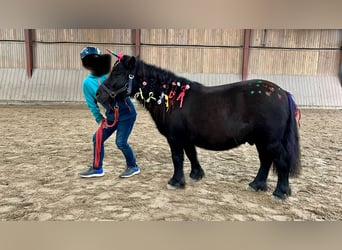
[[340, 73], [246, 44], [137, 42], [29, 51]]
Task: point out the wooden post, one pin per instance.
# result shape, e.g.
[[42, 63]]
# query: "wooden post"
[[340, 73], [29, 51], [137, 42], [247, 41]]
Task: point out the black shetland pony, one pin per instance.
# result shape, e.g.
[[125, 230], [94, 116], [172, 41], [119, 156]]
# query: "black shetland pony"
[[222, 117]]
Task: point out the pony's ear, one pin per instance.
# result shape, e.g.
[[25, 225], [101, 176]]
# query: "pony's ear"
[[128, 61]]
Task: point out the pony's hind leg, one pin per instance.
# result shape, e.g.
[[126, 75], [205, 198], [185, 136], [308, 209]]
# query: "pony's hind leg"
[[197, 173], [177, 153], [283, 189], [273, 153], [266, 159]]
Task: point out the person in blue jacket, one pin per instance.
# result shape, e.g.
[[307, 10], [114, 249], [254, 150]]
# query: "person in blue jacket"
[[99, 66]]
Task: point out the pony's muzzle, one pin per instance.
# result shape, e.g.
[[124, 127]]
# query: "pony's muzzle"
[[101, 96]]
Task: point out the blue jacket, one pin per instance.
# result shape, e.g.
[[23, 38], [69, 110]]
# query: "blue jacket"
[[90, 85]]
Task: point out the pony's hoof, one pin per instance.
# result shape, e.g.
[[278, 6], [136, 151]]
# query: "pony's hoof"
[[258, 185], [282, 193], [170, 187], [196, 175], [250, 189], [174, 184], [277, 199], [194, 180]]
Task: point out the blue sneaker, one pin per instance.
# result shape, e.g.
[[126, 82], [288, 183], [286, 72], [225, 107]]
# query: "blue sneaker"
[[92, 172], [130, 171]]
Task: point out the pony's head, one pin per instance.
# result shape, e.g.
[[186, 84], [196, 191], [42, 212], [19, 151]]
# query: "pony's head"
[[120, 82]]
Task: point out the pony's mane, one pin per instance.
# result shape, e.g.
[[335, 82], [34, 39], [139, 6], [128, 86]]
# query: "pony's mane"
[[161, 81], [158, 75]]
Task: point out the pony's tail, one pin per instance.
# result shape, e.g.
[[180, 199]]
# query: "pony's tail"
[[290, 140]]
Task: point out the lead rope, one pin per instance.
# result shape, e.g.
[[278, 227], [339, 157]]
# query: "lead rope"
[[99, 133]]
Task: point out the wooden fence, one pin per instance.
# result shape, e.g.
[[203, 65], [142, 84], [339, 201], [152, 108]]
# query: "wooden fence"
[[293, 52]]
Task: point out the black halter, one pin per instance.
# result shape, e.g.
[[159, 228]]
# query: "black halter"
[[130, 83], [127, 87]]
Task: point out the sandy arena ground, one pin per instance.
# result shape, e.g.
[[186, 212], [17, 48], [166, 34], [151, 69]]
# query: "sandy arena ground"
[[44, 147]]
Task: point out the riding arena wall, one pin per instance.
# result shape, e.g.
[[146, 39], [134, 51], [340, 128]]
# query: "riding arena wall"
[[305, 62]]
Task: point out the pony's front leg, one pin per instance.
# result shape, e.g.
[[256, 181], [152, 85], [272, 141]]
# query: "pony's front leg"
[[177, 153], [197, 173]]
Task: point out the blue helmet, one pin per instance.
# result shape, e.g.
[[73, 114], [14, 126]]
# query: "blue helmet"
[[89, 51]]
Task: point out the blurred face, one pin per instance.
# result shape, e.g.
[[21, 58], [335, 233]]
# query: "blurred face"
[[115, 86], [99, 65]]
